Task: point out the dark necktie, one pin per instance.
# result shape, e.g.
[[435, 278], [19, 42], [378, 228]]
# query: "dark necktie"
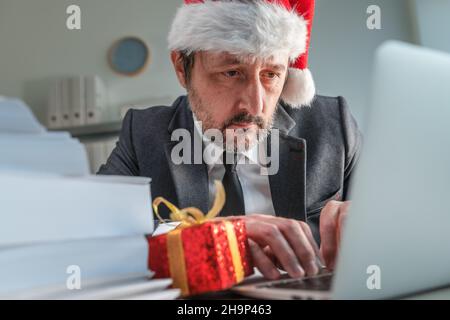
[[234, 199]]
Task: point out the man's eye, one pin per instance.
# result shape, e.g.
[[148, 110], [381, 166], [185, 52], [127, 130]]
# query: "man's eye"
[[231, 74], [271, 75]]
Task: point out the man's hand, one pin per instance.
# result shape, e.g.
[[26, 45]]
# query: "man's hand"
[[332, 220], [284, 242]]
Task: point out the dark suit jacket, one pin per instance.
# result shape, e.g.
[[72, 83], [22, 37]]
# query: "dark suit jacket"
[[319, 147]]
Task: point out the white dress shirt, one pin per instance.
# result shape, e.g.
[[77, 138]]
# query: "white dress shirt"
[[255, 186]]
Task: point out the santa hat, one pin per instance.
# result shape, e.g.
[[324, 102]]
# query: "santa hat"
[[260, 28]]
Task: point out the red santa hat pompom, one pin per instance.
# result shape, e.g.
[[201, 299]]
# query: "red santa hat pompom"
[[260, 28]]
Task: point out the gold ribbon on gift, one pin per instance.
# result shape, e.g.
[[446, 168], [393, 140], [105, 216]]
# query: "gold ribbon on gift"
[[189, 217]]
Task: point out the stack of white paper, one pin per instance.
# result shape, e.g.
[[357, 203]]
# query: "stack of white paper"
[[16, 117], [57, 154], [63, 233], [50, 224], [32, 266], [26, 145], [41, 208], [137, 286]]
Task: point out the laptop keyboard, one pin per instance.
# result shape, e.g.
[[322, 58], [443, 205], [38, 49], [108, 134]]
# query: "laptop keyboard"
[[318, 283]]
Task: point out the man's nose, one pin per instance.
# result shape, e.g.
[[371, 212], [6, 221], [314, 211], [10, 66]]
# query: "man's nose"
[[252, 100]]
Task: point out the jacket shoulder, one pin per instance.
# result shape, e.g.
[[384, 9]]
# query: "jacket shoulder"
[[146, 125], [152, 117], [330, 120], [322, 108]]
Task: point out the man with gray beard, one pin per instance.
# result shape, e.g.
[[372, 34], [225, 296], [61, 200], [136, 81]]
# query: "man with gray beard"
[[284, 154]]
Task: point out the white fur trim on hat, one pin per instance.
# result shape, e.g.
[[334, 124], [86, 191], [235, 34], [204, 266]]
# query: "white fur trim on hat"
[[299, 89], [257, 28]]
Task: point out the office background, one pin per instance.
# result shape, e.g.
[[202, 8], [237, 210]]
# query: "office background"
[[56, 219], [35, 45]]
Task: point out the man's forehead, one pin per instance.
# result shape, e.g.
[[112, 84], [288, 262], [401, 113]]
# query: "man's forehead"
[[279, 60]]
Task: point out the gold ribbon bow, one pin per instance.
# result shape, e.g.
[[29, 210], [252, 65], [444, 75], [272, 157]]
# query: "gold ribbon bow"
[[189, 217]]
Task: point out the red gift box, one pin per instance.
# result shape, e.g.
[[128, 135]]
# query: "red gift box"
[[200, 258]]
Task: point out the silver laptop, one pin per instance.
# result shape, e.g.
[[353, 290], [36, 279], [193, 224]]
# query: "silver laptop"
[[397, 237]]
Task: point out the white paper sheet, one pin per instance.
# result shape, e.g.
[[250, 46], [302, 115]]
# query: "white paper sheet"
[[39, 208], [16, 117], [45, 264]]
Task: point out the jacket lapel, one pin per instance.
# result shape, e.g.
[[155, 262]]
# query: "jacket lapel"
[[190, 180], [289, 184]]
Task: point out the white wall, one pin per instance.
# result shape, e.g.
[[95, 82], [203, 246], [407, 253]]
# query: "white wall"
[[35, 45], [342, 47], [434, 23]]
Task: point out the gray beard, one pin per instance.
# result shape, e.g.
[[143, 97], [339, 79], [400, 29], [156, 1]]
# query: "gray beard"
[[199, 110]]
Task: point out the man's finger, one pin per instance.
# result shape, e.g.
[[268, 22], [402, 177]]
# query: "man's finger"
[[301, 245], [262, 262], [298, 241], [319, 259], [343, 210], [268, 234], [268, 252]]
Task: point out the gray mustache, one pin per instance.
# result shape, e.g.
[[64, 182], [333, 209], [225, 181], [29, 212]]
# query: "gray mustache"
[[245, 118]]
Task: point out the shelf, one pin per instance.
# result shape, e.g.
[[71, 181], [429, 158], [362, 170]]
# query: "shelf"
[[96, 131]]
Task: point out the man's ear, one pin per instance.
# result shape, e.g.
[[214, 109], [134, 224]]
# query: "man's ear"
[[178, 65]]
